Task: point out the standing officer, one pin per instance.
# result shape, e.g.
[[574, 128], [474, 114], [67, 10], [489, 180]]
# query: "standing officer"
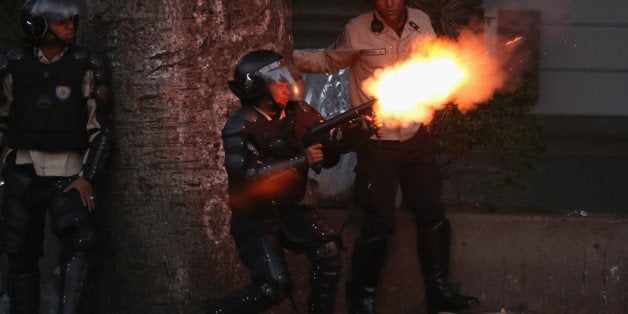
[[56, 131], [403, 157]]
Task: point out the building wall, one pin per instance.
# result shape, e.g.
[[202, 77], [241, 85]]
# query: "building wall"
[[584, 64]]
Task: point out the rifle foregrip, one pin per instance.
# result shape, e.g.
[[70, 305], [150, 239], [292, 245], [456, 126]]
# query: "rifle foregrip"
[[316, 132], [344, 117]]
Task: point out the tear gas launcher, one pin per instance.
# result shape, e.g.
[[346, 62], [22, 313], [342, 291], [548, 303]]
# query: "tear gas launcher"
[[317, 133]]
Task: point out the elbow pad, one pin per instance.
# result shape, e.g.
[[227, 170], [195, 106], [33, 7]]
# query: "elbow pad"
[[100, 90], [98, 155]]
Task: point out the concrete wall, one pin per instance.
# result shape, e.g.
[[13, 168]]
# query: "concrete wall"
[[543, 264]]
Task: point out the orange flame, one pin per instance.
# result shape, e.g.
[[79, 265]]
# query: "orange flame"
[[439, 72]]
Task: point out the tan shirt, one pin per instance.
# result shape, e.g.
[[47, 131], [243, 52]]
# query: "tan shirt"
[[364, 51], [62, 164]]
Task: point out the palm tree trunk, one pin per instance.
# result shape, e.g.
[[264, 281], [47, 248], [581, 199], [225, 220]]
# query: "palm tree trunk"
[[166, 226]]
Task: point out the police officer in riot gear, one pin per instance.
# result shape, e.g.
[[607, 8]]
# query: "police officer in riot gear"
[[55, 131], [267, 168]]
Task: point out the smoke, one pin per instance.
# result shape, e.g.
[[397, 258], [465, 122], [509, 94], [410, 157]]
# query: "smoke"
[[484, 67]]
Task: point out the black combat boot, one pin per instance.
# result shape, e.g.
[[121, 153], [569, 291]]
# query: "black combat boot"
[[366, 265], [324, 276], [250, 299], [360, 299], [23, 291], [74, 274], [433, 248]]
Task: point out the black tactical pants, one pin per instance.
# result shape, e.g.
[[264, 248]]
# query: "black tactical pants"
[[26, 199], [261, 244]]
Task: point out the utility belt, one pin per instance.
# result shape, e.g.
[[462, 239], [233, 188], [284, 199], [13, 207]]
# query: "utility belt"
[[26, 175]]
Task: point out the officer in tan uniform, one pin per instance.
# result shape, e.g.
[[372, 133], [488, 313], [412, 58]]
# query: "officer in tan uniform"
[[55, 132], [403, 156]]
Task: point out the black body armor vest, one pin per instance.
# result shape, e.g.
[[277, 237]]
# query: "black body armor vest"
[[269, 142], [49, 111]]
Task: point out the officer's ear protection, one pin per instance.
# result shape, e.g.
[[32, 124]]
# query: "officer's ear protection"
[[376, 25]]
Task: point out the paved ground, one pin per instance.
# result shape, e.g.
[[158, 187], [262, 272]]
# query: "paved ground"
[[513, 263]]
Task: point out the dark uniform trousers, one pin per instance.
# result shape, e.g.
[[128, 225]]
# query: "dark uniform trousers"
[[382, 167], [22, 224]]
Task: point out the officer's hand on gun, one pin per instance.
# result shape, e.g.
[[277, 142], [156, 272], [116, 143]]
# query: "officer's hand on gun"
[[314, 154], [372, 123]]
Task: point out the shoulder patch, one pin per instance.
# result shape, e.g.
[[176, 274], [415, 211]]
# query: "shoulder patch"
[[97, 61], [79, 54]]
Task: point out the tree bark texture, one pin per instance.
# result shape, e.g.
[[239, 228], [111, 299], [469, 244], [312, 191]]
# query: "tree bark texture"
[[162, 208]]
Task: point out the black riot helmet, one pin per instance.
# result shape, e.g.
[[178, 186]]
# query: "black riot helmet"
[[36, 15], [256, 70]]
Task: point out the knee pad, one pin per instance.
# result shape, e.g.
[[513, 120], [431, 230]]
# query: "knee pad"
[[82, 242], [68, 223], [327, 255], [76, 232], [85, 240], [305, 226]]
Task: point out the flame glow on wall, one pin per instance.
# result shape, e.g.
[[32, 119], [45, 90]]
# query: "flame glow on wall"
[[440, 71]]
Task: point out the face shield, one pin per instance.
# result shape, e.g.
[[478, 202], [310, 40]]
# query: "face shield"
[[285, 78], [55, 10]]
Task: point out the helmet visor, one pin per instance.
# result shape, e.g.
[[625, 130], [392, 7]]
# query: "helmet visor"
[[55, 10], [283, 73]]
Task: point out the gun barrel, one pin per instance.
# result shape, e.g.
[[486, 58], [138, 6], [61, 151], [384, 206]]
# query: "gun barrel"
[[345, 117]]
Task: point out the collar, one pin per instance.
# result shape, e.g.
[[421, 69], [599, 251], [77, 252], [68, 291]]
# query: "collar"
[[42, 58], [410, 24], [281, 115]]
